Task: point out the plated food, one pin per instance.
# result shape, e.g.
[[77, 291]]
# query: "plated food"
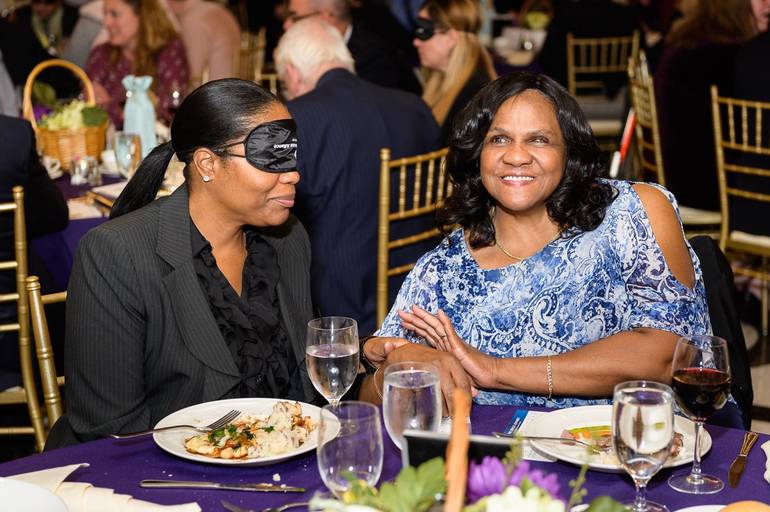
[[592, 421], [600, 436], [254, 436], [255, 409]]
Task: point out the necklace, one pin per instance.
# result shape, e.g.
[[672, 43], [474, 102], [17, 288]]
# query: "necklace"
[[507, 253]]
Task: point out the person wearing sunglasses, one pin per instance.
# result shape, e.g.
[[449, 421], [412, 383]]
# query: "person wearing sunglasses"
[[455, 65], [201, 295]]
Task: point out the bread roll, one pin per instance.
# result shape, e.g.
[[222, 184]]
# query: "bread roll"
[[746, 506]]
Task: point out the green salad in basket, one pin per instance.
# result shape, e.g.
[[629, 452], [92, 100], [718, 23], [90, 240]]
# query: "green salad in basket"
[[73, 115]]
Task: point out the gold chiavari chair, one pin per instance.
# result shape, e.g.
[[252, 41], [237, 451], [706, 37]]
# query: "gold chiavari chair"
[[28, 394], [251, 59], [742, 139], [270, 82], [591, 61], [648, 147], [419, 185], [48, 376]]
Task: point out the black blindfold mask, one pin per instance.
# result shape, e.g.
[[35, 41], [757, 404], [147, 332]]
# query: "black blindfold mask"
[[426, 28], [271, 147]]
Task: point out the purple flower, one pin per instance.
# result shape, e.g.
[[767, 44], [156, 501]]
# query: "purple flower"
[[486, 478]]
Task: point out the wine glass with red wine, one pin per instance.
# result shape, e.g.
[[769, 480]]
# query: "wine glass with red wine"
[[701, 382]]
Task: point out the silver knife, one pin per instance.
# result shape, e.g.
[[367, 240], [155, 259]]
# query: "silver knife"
[[258, 487], [739, 464]]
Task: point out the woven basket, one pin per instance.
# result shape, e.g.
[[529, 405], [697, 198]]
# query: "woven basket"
[[65, 145]]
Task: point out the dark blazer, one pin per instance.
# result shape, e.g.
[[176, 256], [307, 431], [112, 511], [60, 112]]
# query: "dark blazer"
[[22, 51], [752, 82], [379, 62], [342, 125], [45, 211], [683, 81], [141, 339]]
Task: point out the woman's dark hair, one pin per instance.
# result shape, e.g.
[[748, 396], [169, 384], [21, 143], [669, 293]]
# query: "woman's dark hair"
[[211, 116], [579, 201]]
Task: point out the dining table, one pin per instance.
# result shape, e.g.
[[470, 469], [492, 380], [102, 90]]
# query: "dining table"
[[121, 464], [57, 250]]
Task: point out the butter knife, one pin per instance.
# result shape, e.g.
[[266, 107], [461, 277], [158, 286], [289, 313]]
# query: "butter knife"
[[257, 487], [739, 464]]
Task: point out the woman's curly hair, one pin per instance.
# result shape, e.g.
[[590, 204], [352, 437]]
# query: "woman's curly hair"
[[579, 201]]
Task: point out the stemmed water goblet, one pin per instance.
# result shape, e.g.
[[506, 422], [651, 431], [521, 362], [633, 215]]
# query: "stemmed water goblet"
[[349, 445], [642, 433], [332, 355], [701, 381], [411, 399], [128, 153]]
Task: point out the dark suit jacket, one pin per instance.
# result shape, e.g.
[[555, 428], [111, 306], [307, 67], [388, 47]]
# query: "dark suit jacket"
[[22, 51], [752, 82], [45, 211], [342, 125], [141, 339], [683, 81], [379, 62]]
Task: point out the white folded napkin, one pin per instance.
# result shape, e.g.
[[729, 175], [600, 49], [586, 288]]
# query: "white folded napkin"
[[766, 449], [84, 497]]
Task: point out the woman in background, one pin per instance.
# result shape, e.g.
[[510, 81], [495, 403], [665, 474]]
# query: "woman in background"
[[699, 52], [455, 65], [142, 41]]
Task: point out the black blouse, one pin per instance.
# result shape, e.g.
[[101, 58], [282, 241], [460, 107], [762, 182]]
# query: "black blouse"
[[251, 323]]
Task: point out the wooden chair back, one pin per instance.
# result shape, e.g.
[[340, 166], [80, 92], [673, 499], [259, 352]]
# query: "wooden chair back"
[[28, 393], [592, 58], [410, 188], [43, 348], [648, 147]]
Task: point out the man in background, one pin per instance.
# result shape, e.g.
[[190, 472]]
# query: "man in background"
[[343, 122], [375, 59]]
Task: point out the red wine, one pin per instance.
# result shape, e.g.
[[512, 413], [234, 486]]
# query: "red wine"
[[700, 392]]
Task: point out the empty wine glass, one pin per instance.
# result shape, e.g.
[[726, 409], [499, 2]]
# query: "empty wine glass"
[[128, 153], [411, 399], [642, 433], [701, 380], [332, 355], [349, 445]]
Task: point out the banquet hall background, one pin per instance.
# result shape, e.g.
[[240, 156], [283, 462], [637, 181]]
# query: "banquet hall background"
[[185, 43]]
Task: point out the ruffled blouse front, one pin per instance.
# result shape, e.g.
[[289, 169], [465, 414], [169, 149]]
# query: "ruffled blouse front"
[[250, 324]]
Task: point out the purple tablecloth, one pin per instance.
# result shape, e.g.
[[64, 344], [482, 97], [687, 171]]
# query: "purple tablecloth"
[[120, 464], [56, 250]]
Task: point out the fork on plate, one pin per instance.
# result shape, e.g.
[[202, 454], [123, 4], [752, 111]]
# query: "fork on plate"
[[594, 448], [219, 423]]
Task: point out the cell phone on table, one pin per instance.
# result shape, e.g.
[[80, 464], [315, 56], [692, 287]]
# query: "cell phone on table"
[[421, 446]]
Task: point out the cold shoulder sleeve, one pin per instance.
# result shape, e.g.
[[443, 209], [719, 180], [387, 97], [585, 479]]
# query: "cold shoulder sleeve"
[[657, 299]]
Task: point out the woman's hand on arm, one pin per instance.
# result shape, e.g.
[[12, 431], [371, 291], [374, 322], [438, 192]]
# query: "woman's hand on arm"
[[439, 332], [385, 351]]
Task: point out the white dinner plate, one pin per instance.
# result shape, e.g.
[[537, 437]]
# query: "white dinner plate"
[[555, 422], [702, 508], [203, 414], [22, 496]]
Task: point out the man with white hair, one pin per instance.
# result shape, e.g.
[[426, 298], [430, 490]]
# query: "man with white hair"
[[342, 123], [375, 59]]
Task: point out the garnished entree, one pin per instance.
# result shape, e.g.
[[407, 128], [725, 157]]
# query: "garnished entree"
[[600, 436], [251, 436]]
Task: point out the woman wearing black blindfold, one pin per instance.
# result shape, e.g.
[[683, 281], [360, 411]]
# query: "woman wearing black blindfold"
[[202, 295], [455, 64]]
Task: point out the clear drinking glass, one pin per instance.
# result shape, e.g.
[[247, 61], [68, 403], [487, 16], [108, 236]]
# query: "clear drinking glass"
[[642, 433], [332, 355], [128, 153], [701, 381], [349, 445], [411, 399]]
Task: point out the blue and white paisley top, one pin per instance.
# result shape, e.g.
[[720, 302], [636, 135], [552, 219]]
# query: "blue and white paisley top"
[[574, 291]]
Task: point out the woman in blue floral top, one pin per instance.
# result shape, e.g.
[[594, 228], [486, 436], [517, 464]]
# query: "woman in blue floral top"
[[558, 284]]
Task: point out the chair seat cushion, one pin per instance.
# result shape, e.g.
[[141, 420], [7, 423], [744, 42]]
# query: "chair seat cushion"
[[698, 216]]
